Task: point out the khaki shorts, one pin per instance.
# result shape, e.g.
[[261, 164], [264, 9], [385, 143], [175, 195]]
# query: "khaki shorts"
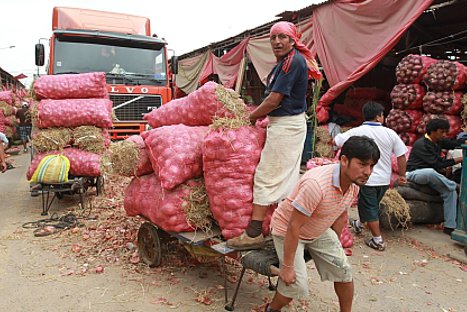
[[328, 255]]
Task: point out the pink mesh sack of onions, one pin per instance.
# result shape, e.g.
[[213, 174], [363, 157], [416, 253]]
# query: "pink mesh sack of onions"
[[446, 76], [73, 113], [230, 157], [394, 166], [412, 68], [409, 138], [443, 102], [403, 120], [145, 196], [196, 109], [71, 86], [407, 96], [82, 163], [455, 123], [144, 164], [7, 97], [175, 153]]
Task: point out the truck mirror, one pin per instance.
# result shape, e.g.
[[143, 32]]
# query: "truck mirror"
[[40, 56], [174, 65]]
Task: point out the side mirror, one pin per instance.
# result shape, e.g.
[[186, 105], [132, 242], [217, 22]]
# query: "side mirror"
[[174, 65], [40, 55]]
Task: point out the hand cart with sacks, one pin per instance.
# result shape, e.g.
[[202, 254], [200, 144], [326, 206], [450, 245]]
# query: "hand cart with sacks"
[[262, 261], [75, 185]]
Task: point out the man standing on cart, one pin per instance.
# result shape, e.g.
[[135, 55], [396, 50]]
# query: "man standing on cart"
[[312, 219], [285, 105]]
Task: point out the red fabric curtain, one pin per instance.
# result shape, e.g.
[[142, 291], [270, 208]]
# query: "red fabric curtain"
[[226, 66], [352, 36]]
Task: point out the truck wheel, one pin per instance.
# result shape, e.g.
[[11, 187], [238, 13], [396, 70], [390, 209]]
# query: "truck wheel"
[[149, 245]]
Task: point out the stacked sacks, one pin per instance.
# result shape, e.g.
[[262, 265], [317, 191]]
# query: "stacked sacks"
[[72, 118], [8, 120], [446, 83], [407, 97], [187, 155]]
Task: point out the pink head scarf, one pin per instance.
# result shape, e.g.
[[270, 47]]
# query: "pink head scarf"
[[290, 30]]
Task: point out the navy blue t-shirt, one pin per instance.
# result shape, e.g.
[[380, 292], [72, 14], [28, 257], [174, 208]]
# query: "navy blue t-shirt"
[[292, 85]]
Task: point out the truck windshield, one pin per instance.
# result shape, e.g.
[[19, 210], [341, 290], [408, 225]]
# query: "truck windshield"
[[124, 64]]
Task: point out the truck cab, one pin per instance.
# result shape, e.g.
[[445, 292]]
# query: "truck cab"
[[120, 45]]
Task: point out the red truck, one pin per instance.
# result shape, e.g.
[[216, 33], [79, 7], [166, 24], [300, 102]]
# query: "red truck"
[[121, 45]]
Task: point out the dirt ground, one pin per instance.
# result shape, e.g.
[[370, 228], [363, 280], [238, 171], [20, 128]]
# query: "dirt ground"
[[96, 267]]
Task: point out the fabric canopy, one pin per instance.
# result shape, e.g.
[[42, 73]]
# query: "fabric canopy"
[[352, 36], [189, 70]]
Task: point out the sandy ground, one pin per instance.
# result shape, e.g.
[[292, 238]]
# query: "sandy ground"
[[421, 270]]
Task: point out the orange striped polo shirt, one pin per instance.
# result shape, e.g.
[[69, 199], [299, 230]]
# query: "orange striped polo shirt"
[[318, 196]]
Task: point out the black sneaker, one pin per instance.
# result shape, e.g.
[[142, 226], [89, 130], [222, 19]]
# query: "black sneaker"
[[373, 244], [448, 231], [356, 225]]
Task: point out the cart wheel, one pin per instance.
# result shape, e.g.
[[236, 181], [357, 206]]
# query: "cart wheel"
[[229, 307], [149, 245], [99, 185]]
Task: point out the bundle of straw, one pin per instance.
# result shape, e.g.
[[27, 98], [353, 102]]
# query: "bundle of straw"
[[51, 139], [323, 146], [235, 105], [89, 138], [7, 109], [397, 208], [124, 157], [196, 207]]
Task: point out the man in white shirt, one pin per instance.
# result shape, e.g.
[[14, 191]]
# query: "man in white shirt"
[[373, 191]]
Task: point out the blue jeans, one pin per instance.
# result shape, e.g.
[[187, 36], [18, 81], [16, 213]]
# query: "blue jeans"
[[441, 184]]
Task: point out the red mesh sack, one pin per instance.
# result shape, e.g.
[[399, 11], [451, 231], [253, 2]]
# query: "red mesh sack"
[[230, 157], [394, 166], [2, 121], [7, 97], [455, 123], [346, 238], [409, 138], [175, 153], [73, 113], [445, 76], [196, 109], [144, 164], [71, 86], [82, 163], [443, 102], [407, 96], [403, 120], [412, 68], [145, 196]]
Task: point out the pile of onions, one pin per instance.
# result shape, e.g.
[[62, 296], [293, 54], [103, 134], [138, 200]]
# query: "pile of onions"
[[412, 68], [407, 96], [443, 102], [403, 121], [445, 75], [455, 123]]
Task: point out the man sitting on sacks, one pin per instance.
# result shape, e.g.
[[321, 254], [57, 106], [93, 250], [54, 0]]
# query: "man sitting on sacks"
[[426, 166]]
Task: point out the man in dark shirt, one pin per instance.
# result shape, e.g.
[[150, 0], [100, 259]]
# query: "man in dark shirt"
[[426, 166], [24, 116], [279, 168]]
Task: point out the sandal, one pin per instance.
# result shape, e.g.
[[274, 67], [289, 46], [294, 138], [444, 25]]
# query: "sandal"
[[45, 231]]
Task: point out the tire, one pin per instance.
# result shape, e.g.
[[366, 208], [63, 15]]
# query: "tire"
[[424, 212], [100, 185], [149, 245], [422, 188], [410, 193]]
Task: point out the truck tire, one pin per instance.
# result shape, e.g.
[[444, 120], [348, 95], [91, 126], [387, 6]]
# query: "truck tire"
[[424, 212], [386, 221], [421, 188], [410, 193]]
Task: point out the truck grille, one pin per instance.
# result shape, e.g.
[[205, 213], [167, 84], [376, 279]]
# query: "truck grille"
[[135, 110]]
